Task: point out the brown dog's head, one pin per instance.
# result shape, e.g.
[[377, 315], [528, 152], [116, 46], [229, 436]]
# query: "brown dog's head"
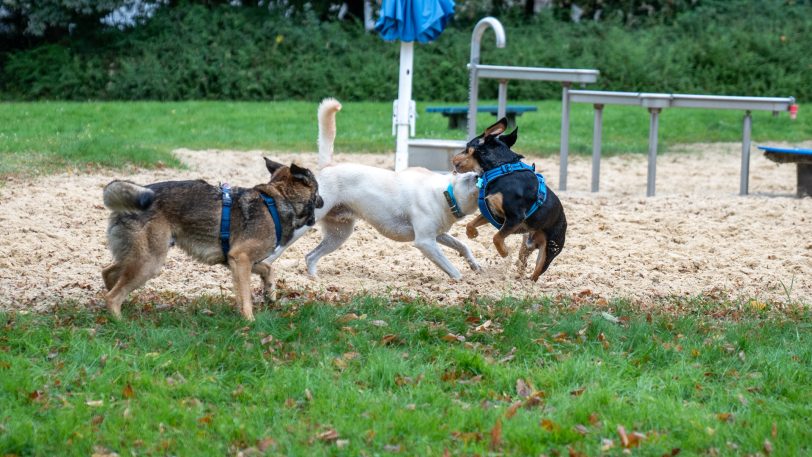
[[489, 150], [298, 186]]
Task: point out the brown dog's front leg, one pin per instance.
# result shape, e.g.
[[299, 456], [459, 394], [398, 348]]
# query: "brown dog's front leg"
[[240, 265], [470, 228]]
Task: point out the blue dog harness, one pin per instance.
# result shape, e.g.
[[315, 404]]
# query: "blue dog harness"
[[225, 218], [506, 169]]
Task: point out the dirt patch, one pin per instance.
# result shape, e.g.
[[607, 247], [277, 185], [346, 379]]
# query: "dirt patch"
[[696, 237]]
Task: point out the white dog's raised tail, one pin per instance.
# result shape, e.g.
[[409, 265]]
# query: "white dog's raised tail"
[[327, 129]]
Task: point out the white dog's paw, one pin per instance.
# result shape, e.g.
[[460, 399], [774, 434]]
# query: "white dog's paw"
[[475, 266]]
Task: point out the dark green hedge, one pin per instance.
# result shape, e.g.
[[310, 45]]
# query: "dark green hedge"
[[731, 47]]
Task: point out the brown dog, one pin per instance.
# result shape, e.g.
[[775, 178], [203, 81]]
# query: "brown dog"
[[147, 220]]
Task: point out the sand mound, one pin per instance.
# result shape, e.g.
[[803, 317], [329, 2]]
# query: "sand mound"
[[696, 237]]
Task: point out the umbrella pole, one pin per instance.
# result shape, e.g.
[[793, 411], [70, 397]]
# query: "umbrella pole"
[[404, 100]]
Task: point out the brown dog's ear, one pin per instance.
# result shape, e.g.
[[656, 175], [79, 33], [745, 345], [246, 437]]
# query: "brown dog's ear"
[[496, 129], [272, 166], [300, 173], [510, 138]]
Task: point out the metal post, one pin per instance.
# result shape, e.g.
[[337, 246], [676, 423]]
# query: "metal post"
[[501, 108], [652, 151], [473, 79], [404, 101], [596, 147], [565, 135], [745, 173]]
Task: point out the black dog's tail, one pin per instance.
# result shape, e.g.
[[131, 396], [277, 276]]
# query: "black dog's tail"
[[126, 197], [555, 240]]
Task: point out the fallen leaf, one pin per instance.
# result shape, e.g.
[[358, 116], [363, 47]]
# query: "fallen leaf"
[[467, 437], [394, 448], [774, 431], [308, 395], [573, 453], [454, 338], [577, 392], [128, 392], [724, 417], [768, 447], [379, 323], [549, 425], [483, 326], [606, 444], [205, 420], [389, 339], [523, 390], [94, 403], [328, 436], [610, 317], [511, 411], [265, 443], [594, 419], [624, 438], [342, 443], [266, 340], [96, 420], [496, 435], [581, 429], [347, 317], [674, 452]]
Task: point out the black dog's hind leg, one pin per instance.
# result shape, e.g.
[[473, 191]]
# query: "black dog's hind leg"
[[556, 236], [512, 223]]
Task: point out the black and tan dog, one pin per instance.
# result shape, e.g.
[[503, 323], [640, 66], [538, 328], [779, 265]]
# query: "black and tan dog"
[[514, 198], [147, 220]]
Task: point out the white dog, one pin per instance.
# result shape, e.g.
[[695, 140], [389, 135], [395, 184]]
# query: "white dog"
[[411, 205]]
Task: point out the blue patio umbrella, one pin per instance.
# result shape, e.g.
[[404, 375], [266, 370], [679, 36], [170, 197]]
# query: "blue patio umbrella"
[[408, 21]]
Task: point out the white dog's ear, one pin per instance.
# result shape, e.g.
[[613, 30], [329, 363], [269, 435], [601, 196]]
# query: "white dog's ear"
[[510, 138], [496, 129]]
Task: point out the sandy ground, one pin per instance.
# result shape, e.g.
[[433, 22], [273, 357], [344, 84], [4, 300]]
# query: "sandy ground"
[[697, 236]]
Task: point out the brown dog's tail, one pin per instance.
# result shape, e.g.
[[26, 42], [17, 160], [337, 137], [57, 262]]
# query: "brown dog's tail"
[[127, 197], [327, 129]]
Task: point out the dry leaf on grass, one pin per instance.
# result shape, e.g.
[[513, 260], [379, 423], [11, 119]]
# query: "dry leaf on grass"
[[328, 436], [128, 392], [454, 338], [549, 425], [523, 389], [496, 435]]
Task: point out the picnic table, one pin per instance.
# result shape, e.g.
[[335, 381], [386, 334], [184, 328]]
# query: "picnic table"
[[458, 115], [802, 158]]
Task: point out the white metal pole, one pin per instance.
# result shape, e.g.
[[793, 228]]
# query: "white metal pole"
[[404, 99], [565, 136], [745, 173], [501, 107], [652, 151], [596, 147]]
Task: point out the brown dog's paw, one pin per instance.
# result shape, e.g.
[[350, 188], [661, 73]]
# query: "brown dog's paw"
[[471, 231]]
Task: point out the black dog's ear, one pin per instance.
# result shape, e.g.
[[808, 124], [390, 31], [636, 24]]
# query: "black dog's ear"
[[300, 173], [272, 166], [496, 129], [510, 138]]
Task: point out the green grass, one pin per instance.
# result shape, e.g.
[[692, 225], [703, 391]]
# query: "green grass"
[[196, 382], [52, 136]]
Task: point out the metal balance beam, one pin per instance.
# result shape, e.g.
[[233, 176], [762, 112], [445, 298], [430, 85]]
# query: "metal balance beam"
[[655, 103], [566, 76]]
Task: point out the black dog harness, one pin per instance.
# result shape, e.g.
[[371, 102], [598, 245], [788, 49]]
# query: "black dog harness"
[[503, 170], [225, 218]]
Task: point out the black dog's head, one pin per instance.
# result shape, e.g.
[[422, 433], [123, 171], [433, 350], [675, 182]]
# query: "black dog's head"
[[489, 150]]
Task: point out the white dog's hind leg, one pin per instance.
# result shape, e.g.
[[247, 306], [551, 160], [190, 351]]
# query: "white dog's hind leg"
[[447, 240], [334, 233]]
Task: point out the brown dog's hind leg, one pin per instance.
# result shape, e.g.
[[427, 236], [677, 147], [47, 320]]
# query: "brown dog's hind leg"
[[265, 272], [540, 241], [240, 265], [110, 275], [470, 228]]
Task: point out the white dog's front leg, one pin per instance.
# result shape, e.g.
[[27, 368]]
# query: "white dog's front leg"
[[279, 250], [430, 249], [447, 240]]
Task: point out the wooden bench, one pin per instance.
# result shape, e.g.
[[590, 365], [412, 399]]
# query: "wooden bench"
[[458, 115], [802, 158]]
